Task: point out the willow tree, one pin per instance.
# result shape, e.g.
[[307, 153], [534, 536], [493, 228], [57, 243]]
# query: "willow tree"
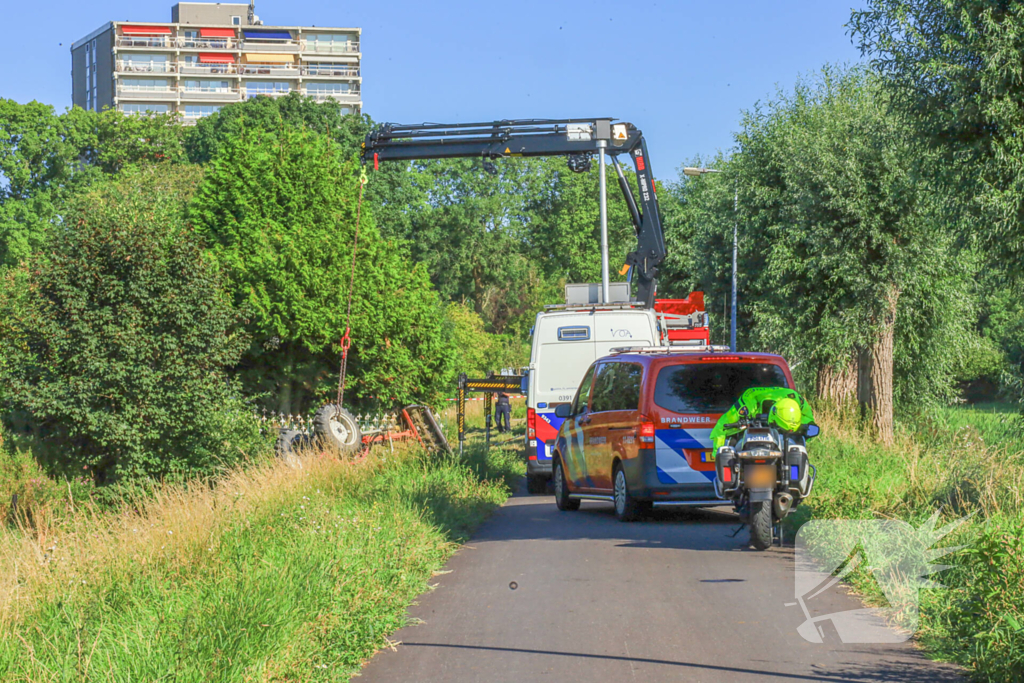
[[855, 238]]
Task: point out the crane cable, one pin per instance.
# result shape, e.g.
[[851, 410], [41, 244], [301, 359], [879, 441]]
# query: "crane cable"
[[346, 340]]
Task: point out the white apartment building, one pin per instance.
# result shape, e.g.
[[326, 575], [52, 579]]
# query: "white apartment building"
[[209, 55]]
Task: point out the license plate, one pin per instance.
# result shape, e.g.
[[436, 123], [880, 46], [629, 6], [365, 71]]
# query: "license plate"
[[760, 476]]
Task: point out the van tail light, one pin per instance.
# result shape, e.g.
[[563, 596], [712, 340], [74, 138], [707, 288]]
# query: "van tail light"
[[531, 423], [646, 434]]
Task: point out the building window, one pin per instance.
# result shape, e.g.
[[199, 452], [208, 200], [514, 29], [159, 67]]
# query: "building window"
[[144, 84], [88, 100], [207, 86], [254, 88], [146, 64], [88, 58], [198, 111], [315, 88], [330, 69], [236, 21], [145, 108], [330, 42]]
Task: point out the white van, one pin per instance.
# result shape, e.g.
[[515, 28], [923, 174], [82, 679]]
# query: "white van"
[[567, 339]]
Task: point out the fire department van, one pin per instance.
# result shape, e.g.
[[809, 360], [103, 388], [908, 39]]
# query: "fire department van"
[[568, 338], [638, 431]]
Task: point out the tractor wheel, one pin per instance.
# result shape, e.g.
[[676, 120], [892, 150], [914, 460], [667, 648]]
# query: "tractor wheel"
[[337, 428]]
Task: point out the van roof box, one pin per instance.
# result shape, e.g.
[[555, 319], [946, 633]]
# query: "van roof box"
[[588, 293]]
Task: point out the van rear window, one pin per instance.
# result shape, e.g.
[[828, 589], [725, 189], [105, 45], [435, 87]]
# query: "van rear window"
[[712, 387]]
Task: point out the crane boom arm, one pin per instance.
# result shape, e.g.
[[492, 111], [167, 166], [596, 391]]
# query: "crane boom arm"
[[576, 139]]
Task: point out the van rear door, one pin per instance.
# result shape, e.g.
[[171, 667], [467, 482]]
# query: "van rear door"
[[689, 397]]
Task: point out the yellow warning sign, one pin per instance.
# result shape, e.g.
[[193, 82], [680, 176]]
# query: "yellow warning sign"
[[508, 151]]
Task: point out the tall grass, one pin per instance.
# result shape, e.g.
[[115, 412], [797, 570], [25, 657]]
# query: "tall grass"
[[963, 462], [285, 571]]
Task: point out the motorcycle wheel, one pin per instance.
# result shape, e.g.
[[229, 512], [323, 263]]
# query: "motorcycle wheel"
[[761, 524]]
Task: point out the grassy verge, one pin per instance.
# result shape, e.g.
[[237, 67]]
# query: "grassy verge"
[[964, 462], [275, 573]]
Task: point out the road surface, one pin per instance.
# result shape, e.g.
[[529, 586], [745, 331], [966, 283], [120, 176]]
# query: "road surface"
[[671, 598]]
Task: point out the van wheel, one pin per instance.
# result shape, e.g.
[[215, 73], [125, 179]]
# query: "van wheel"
[[536, 484], [627, 508], [562, 499]]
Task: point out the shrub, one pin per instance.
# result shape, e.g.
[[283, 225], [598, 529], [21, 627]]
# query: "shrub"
[[116, 336], [278, 209]]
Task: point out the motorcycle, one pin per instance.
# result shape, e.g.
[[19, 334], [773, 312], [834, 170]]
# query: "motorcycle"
[[766, 473]]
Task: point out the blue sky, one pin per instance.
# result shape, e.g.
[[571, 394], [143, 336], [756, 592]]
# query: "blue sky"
[[682, 71]]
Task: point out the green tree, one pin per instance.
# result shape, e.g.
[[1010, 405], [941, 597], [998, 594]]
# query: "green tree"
[[954, 68], [116, 338], [278, 210], [848, 264], [390, 191], [46, 157]]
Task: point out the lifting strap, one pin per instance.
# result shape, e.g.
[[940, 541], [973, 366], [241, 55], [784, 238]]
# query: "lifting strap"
[[346, 340]]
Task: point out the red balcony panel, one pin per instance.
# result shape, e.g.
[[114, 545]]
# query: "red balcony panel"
[[145, 30], [215, 58], [216, 33]]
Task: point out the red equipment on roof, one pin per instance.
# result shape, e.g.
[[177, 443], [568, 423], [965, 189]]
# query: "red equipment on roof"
[[684, 318]]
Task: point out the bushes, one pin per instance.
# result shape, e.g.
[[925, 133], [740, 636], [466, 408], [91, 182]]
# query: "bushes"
[[273, 574], [962, 462], [278, 210], [117, 335]]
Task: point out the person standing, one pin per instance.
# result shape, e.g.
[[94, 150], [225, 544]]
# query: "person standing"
[[503, 408]]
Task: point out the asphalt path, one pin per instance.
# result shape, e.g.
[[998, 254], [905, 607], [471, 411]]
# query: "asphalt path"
[[672, 598]]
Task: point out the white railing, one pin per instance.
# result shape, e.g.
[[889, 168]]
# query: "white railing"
[[146, 41], [324, 70], [276, 46], [208, 43], [321, 96], [130, 87], [145, 67], [218, 94], [197, 68], [330, 46], [249, 93], [146, 92], [268, 69]]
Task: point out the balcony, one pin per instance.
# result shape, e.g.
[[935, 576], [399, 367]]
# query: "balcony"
[[275, 46], [317, 69], [275, 70], [249, 93], [330, 47], [350, 97], [198, 68], [167, 42], [209, 43], [210, 95], [130, 67], [145, 92]]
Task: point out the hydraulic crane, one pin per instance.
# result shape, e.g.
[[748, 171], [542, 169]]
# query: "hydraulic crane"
[[576, 139]]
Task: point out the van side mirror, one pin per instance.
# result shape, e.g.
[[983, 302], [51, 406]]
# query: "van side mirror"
[[563, 410], [812, 431]]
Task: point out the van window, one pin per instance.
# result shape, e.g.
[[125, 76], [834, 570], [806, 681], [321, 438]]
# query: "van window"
[[580, 402], [616, 387], [712, 387], [579, 333]]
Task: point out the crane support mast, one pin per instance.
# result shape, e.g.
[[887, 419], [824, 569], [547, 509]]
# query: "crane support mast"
[[576, 139]]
